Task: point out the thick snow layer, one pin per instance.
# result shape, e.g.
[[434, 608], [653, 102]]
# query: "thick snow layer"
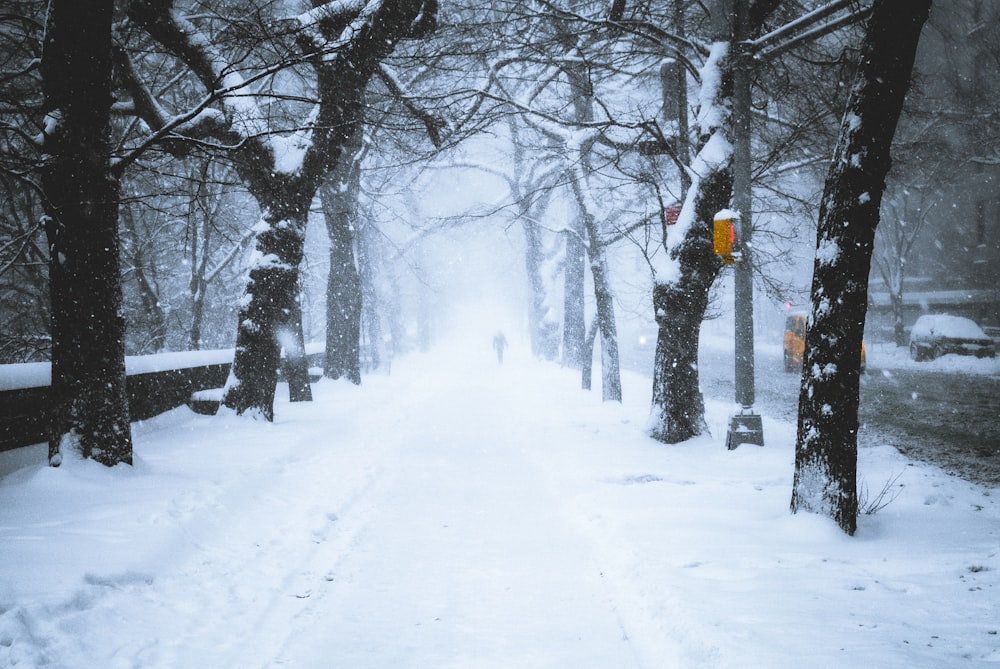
[[945, 325], [458, 513], [35, 374]]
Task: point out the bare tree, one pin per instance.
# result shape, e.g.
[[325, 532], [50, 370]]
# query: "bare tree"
[[826, 441], [680, 294], [339, 196], [23, 252], [343, 45], [81, 195], [23, 273], [907, 214]]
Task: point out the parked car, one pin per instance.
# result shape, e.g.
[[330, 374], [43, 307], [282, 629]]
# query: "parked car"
[[934, 335], [794, 343]]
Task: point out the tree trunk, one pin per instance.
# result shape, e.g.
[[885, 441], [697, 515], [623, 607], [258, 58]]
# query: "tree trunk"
[[582, 94], [678, 411], [152, 311], [343, 308], [82, 195], [343, 292], [543, 333], [586, 372], [826, 449], [285, 192], [680, 301], [370, 302], [898, 330], [199, 232], [542, 330], [152, 321], [678, 406], [574, 269], [268, 305], [583, 109], [679, 304], [611, 382], [197, 289]]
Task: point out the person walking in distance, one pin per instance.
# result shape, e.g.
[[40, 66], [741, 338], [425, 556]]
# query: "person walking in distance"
[[499, 344]]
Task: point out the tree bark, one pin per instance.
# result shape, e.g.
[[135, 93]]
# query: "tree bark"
[[153, 319], [679, 303], [826, 442], [371, 304], [81, 200], [269, 303], [898, 329], [542, 344], [199, 231], [678, 408], [543, 332], [197, 288], [582, 92], [611, 382], [679, 307], [582, 98], [586, 373], [343, 292], [611, 385], [574, 271]]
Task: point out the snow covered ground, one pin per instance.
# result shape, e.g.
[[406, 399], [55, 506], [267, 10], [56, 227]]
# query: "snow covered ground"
[[457, 513]]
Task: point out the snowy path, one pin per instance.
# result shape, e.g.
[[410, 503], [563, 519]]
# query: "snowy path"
[[425, 537], [422, 536], [458, 514], [464, 558]]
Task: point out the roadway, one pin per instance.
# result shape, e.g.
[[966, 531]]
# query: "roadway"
[[933, 412]]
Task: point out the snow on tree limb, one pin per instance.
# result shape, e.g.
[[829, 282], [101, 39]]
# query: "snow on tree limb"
[[711, 114], [714, 155], [311, 22]]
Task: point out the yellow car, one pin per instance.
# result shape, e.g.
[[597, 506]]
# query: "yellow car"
[[795, 343]]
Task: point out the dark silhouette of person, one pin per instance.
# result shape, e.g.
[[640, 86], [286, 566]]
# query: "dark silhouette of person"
[[499, 344]]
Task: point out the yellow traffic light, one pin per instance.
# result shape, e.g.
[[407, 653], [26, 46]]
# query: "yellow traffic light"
[[724, 236]]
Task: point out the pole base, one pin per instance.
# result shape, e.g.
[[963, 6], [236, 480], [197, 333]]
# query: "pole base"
[[745, 427]]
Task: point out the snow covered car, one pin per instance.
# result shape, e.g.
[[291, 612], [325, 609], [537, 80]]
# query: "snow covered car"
[[934, 335]]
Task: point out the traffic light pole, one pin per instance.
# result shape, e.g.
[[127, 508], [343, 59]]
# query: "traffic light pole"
[[742, 204], [745, 426]]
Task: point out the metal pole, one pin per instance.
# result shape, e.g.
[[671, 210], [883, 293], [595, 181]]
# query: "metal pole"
[[742, 204], [746, 426]]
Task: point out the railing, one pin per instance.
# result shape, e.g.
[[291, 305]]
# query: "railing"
[[153, 384]]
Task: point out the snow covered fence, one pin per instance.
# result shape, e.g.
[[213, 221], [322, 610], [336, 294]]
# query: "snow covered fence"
[[154, 384]]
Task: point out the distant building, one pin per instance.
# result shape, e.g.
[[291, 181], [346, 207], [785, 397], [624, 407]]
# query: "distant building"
[[946, 176]]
